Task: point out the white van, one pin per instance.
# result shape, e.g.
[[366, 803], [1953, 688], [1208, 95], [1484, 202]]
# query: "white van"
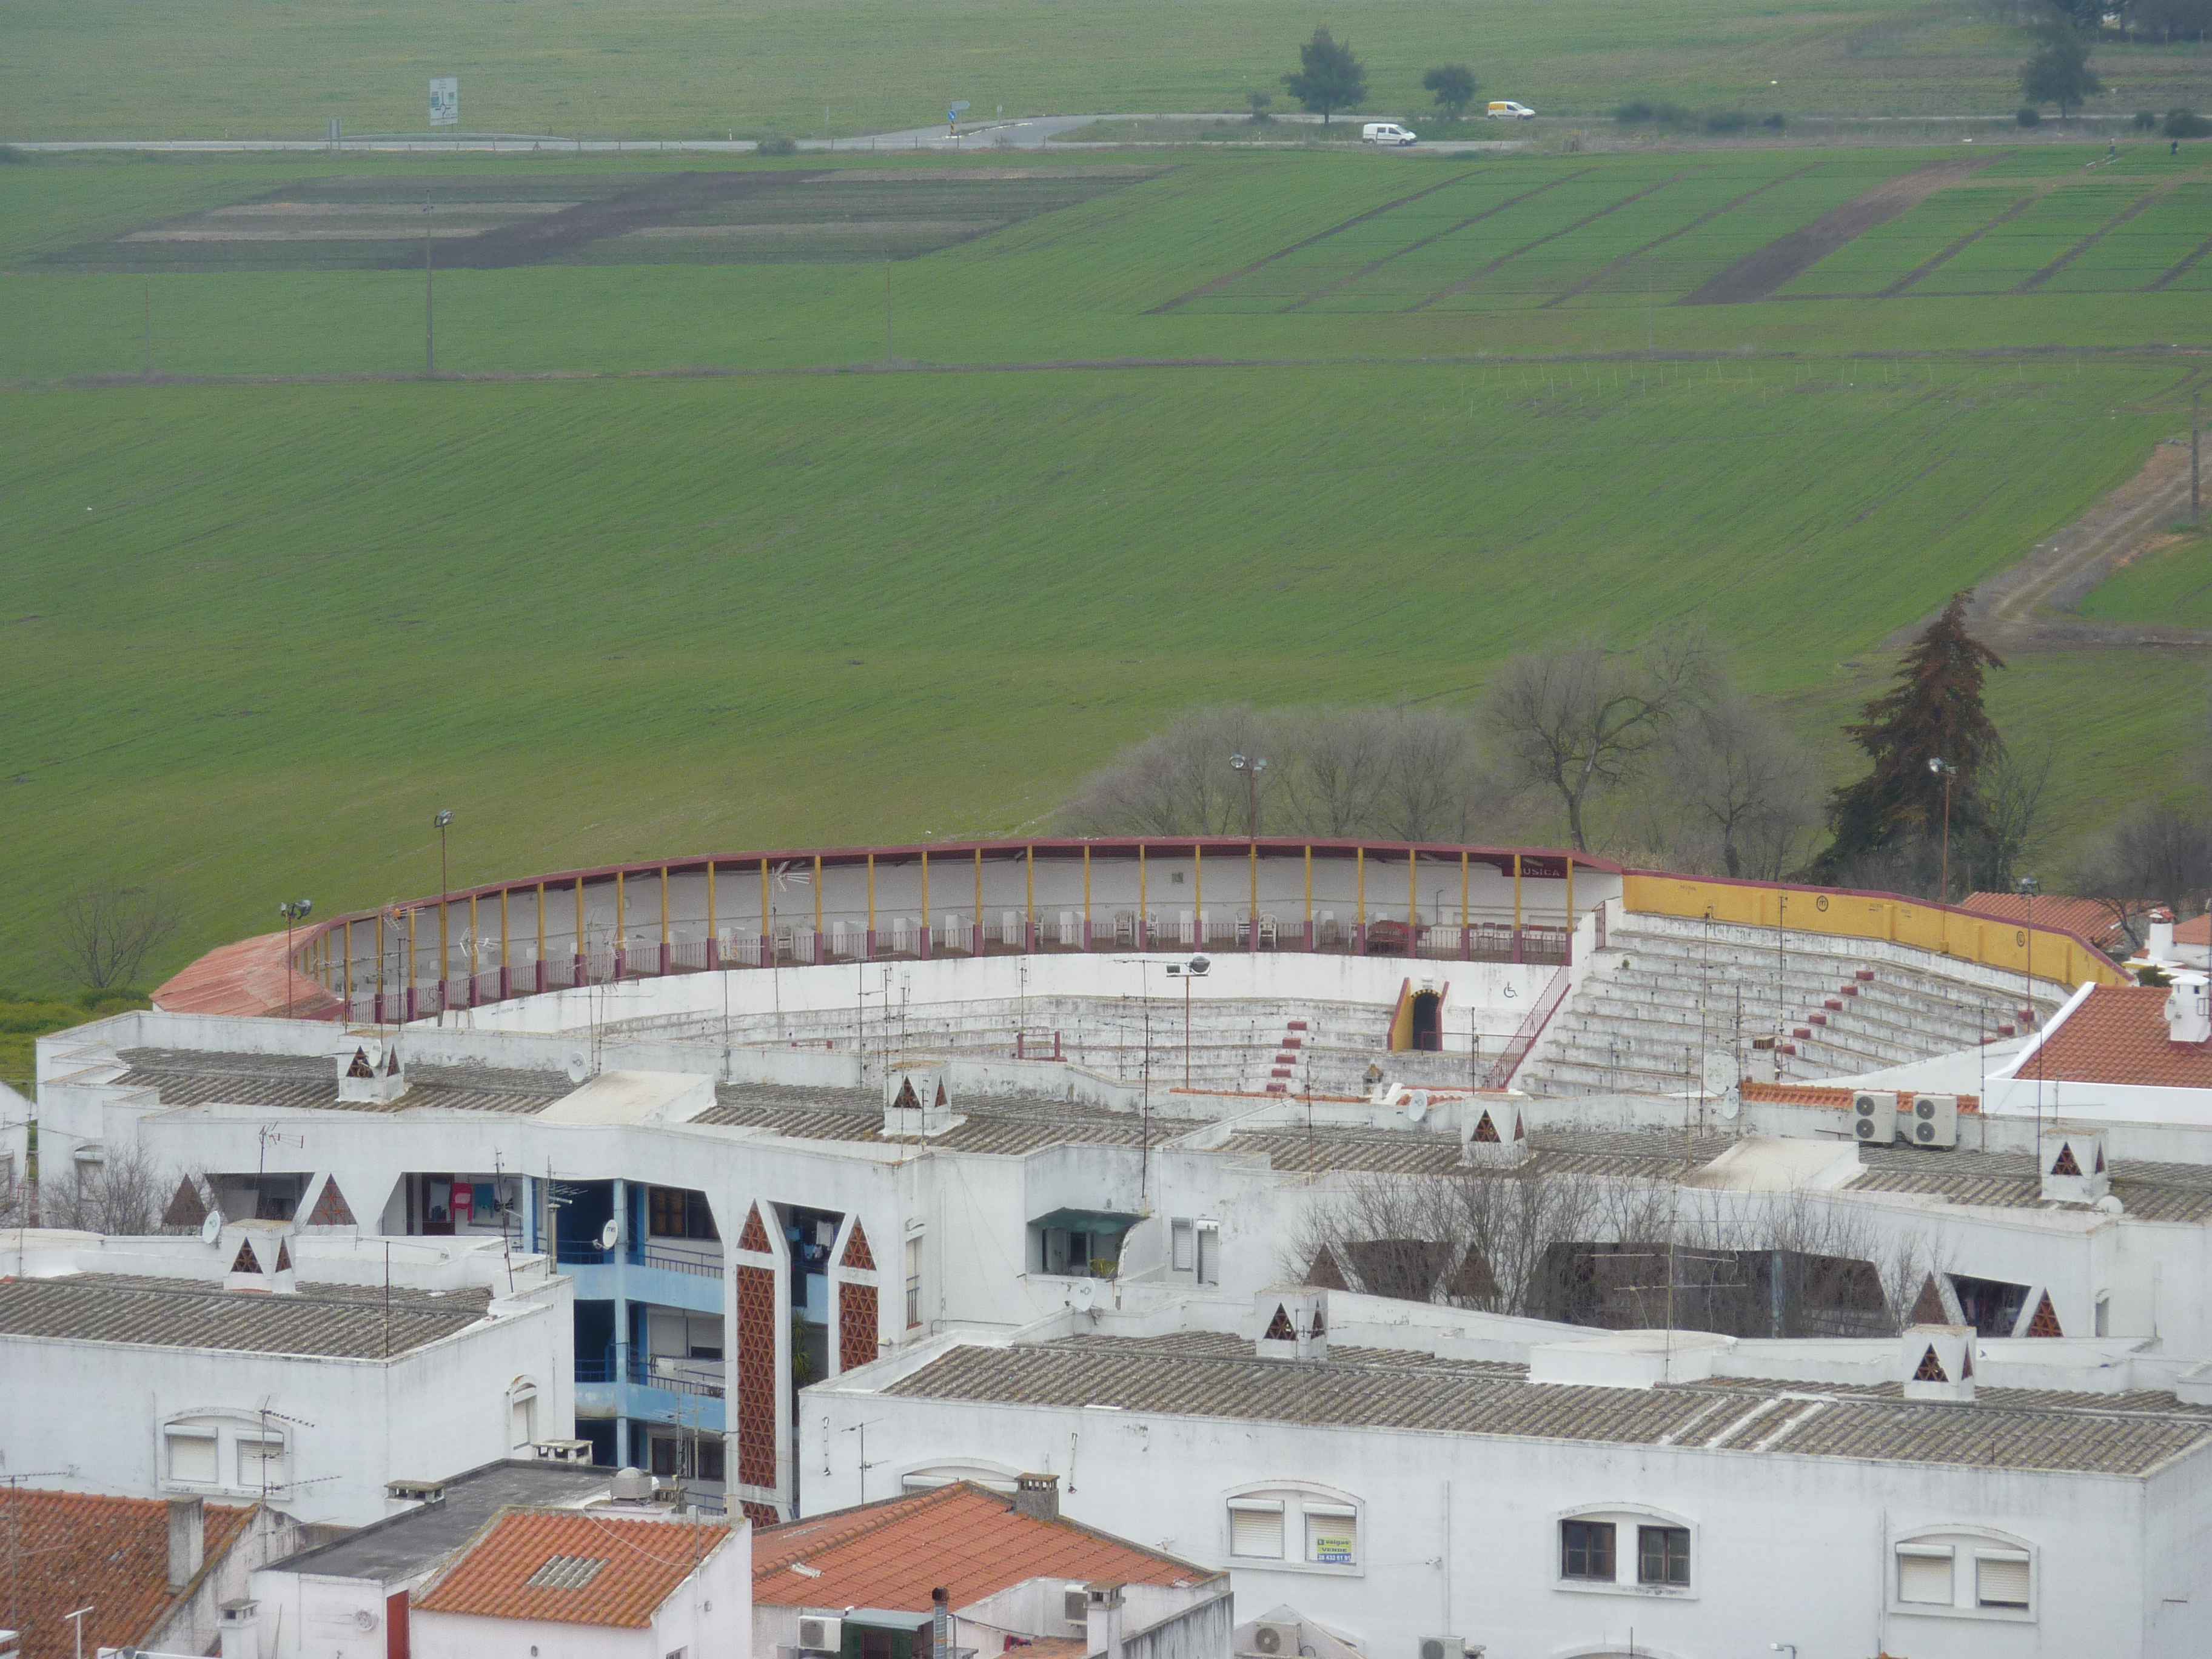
[[1504, 109], [1386, 132]]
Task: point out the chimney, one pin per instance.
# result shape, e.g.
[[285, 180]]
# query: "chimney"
[[1936, 1362], [1293, 1323], [187, 1539], [1102, 1630], [2188, 1014], [2159, 943], [940, 1623], [1493, 1136], [1037, 1496], [916, 1104], [370, 1073], [240, 1634], [2073, 1167]]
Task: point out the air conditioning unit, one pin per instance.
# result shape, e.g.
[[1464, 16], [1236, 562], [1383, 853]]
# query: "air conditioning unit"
[[562, 1451], [1275, 1638], [1933, 1121], [1873, 1117], [821, 1633], [1075, 1604], [1443, 1647]]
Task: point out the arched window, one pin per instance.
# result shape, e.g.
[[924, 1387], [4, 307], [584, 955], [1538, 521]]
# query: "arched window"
[[522, 1414], [1296, 1525], [1612, 1548], [1963, 1572]]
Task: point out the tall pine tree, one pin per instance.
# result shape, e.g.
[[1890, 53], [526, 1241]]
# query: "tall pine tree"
[[1934, 712]]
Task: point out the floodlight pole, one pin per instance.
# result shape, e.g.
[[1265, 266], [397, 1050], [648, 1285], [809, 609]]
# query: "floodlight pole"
[[292, 910], [442, 823], [1945, 770]]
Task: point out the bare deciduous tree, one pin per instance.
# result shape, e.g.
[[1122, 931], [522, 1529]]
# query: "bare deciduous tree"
[[124, 1194], [2156, 854], [1620, 1253], [1744, 788], [2014, 788], [1582, 721], [1410, 775], [106, 931]]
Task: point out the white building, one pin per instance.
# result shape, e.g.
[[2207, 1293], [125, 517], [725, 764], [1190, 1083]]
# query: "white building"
[[1400, 1474], [278, 1364], [340, 1599]]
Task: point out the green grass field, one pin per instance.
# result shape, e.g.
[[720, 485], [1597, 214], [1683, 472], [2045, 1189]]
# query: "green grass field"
[[704, 68], [1286, 428]]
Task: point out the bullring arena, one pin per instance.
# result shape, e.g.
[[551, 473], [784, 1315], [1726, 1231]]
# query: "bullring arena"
[[1213, 967]]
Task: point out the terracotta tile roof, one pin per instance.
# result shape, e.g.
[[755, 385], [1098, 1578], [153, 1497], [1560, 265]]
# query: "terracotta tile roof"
[[245, 978], [2197, 930], [2117, 1035], [2089, 919], [892, 1554], [1814, 1094], [639, 1564], [111, 1554]]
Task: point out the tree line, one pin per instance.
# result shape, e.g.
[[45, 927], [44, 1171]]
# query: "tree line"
[[1654, 755], [1330, 77]]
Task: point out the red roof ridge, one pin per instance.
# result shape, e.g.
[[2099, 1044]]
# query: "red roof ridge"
[[109, 1553]]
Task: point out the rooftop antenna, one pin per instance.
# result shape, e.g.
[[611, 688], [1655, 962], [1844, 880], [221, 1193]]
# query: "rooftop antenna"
[[861, 1429]]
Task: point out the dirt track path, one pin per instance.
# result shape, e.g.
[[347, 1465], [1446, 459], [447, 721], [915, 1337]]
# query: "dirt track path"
[[2031, 605]]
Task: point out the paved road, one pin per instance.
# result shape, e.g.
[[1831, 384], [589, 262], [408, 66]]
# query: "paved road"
[[1033, 132]]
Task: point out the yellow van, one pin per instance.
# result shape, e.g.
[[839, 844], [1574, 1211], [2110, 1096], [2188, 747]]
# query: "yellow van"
[[1504, 109]]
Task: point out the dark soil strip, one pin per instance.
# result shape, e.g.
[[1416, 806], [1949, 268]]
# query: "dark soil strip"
[[1758, 274], [659, 202], [1705, 218], [1466, 283], [2182, 269], [2091, 240], [1261, 264], [1370, 269], [1928, 267]]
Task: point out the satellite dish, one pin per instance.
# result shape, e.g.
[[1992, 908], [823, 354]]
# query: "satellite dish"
[[1416, 1105], [363, 1619], [610, 1235], [579, 1066], [1722, 1073], [211, 1229]]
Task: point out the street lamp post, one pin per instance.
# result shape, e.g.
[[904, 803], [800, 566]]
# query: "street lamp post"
[[293, 910], [1945, 770], [1251, 768], [442, 823]]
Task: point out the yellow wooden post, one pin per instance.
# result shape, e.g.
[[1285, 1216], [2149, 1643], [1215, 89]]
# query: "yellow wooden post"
[[622, 926], [1252, 919], [348, 967], [445, 956], [1309, 931], [1029, 899], [583, 960], [1198, 894], [1571, 907], [1465, 940], [379, 953], [1086, 896], [1143, 912], [664, 918], [1359, 870], [541, 927], [926, 928], [817, 904], [871, 906], [1412, 896], [1517, 907], [714, 957], [410, 953], [767, 921], [502, 937], [476, 944]]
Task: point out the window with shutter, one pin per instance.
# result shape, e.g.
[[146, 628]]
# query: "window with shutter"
[[1332, 1534], [1924, 1575], [1255, 1531], [193, 1456], [2000, 1581], [1209, 1253], [260, 1462], [1185, 1252]]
